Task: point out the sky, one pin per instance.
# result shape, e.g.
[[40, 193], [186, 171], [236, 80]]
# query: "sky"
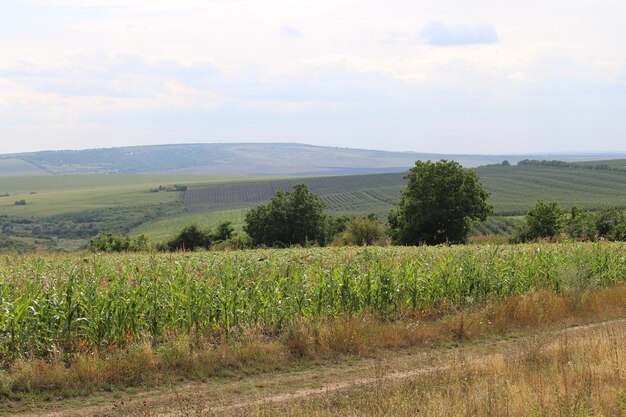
[[480, 76]]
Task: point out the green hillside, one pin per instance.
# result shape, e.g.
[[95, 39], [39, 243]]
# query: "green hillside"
[[73, 208], [513, 189], [272, 159]]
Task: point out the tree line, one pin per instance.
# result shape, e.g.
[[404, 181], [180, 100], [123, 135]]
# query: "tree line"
[[439, 205]]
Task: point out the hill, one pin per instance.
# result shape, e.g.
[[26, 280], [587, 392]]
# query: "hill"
[[513, 189], [66, 210], [272, 159]]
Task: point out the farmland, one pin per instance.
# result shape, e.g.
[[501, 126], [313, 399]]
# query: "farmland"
[[91, 303], [81, 323], [56, 205]]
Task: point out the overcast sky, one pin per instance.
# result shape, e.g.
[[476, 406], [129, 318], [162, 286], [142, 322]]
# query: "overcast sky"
[[480, 76]]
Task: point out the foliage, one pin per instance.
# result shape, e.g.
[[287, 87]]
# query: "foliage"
[[291, 218], [12, 245], [169, 188], [547, 220], [544, 220], [224, 231], [54, 305], [438, 205], [617, 165], [610, 224], [580, 225], [116, 242], [363, 231], [189, 239], [194, 237]]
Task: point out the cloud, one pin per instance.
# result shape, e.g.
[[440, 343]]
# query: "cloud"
[[440, 34], [290, 32]]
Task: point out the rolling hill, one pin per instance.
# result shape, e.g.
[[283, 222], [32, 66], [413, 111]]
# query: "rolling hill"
[[67, 210], [270, 159]]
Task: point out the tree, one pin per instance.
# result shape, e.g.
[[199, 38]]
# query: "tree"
[[190, 238], [224, 231], [544, 220], [580, 224], [610, 224], [291, 218], [438, 204]]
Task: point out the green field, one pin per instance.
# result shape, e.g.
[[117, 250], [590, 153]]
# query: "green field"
[[19, 167], [513, 190], [75, 207], [87, 303]]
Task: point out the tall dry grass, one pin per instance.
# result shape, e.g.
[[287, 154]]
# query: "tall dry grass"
[[569, 375], [253, 351]]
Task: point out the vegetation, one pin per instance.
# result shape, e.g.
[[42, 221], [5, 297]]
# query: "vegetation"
[[193, 237], [47, 309], [363, 231], [438, 205], [291, 218], [110, 242], [77, 322], [74, 209], [572, 373], [548, 221], [615, 165], [544, 220]]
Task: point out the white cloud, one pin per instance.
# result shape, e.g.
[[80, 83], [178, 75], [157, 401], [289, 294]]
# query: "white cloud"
[[342, 69], [440, 34]]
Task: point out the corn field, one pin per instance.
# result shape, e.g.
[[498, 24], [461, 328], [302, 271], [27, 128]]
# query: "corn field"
[[85, 302]]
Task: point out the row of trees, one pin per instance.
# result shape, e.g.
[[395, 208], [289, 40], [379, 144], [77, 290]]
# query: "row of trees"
[[440, 203], [547, 220]]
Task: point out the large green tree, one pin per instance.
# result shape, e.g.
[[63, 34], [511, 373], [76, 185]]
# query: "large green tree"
[[290, 218], [438, 204]]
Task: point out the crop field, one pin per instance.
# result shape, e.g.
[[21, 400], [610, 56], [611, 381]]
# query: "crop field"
[[513, 190], [349, 193], [88, 204], [85, 303], [52, 195]]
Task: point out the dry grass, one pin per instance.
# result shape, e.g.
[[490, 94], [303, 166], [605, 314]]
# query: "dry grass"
[[564, 375], [304, 342]]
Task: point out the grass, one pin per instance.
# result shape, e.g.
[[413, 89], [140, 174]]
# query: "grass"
[[60, 314], [53, 195], [211, 199], [564, 375], [19, 167], [163, 229]]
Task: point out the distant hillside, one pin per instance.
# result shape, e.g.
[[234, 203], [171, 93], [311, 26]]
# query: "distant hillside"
[[513, 190], [64, 211], [271, 159]]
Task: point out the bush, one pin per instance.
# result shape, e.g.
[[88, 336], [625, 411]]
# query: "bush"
[[610, 224], [544, 220], [363, 231], [110, 242], [190, 238]]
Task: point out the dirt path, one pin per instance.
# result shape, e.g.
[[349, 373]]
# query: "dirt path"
[[233, 397]]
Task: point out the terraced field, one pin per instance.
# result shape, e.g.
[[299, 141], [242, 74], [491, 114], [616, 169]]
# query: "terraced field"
[[341, 194], [513, 189]]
